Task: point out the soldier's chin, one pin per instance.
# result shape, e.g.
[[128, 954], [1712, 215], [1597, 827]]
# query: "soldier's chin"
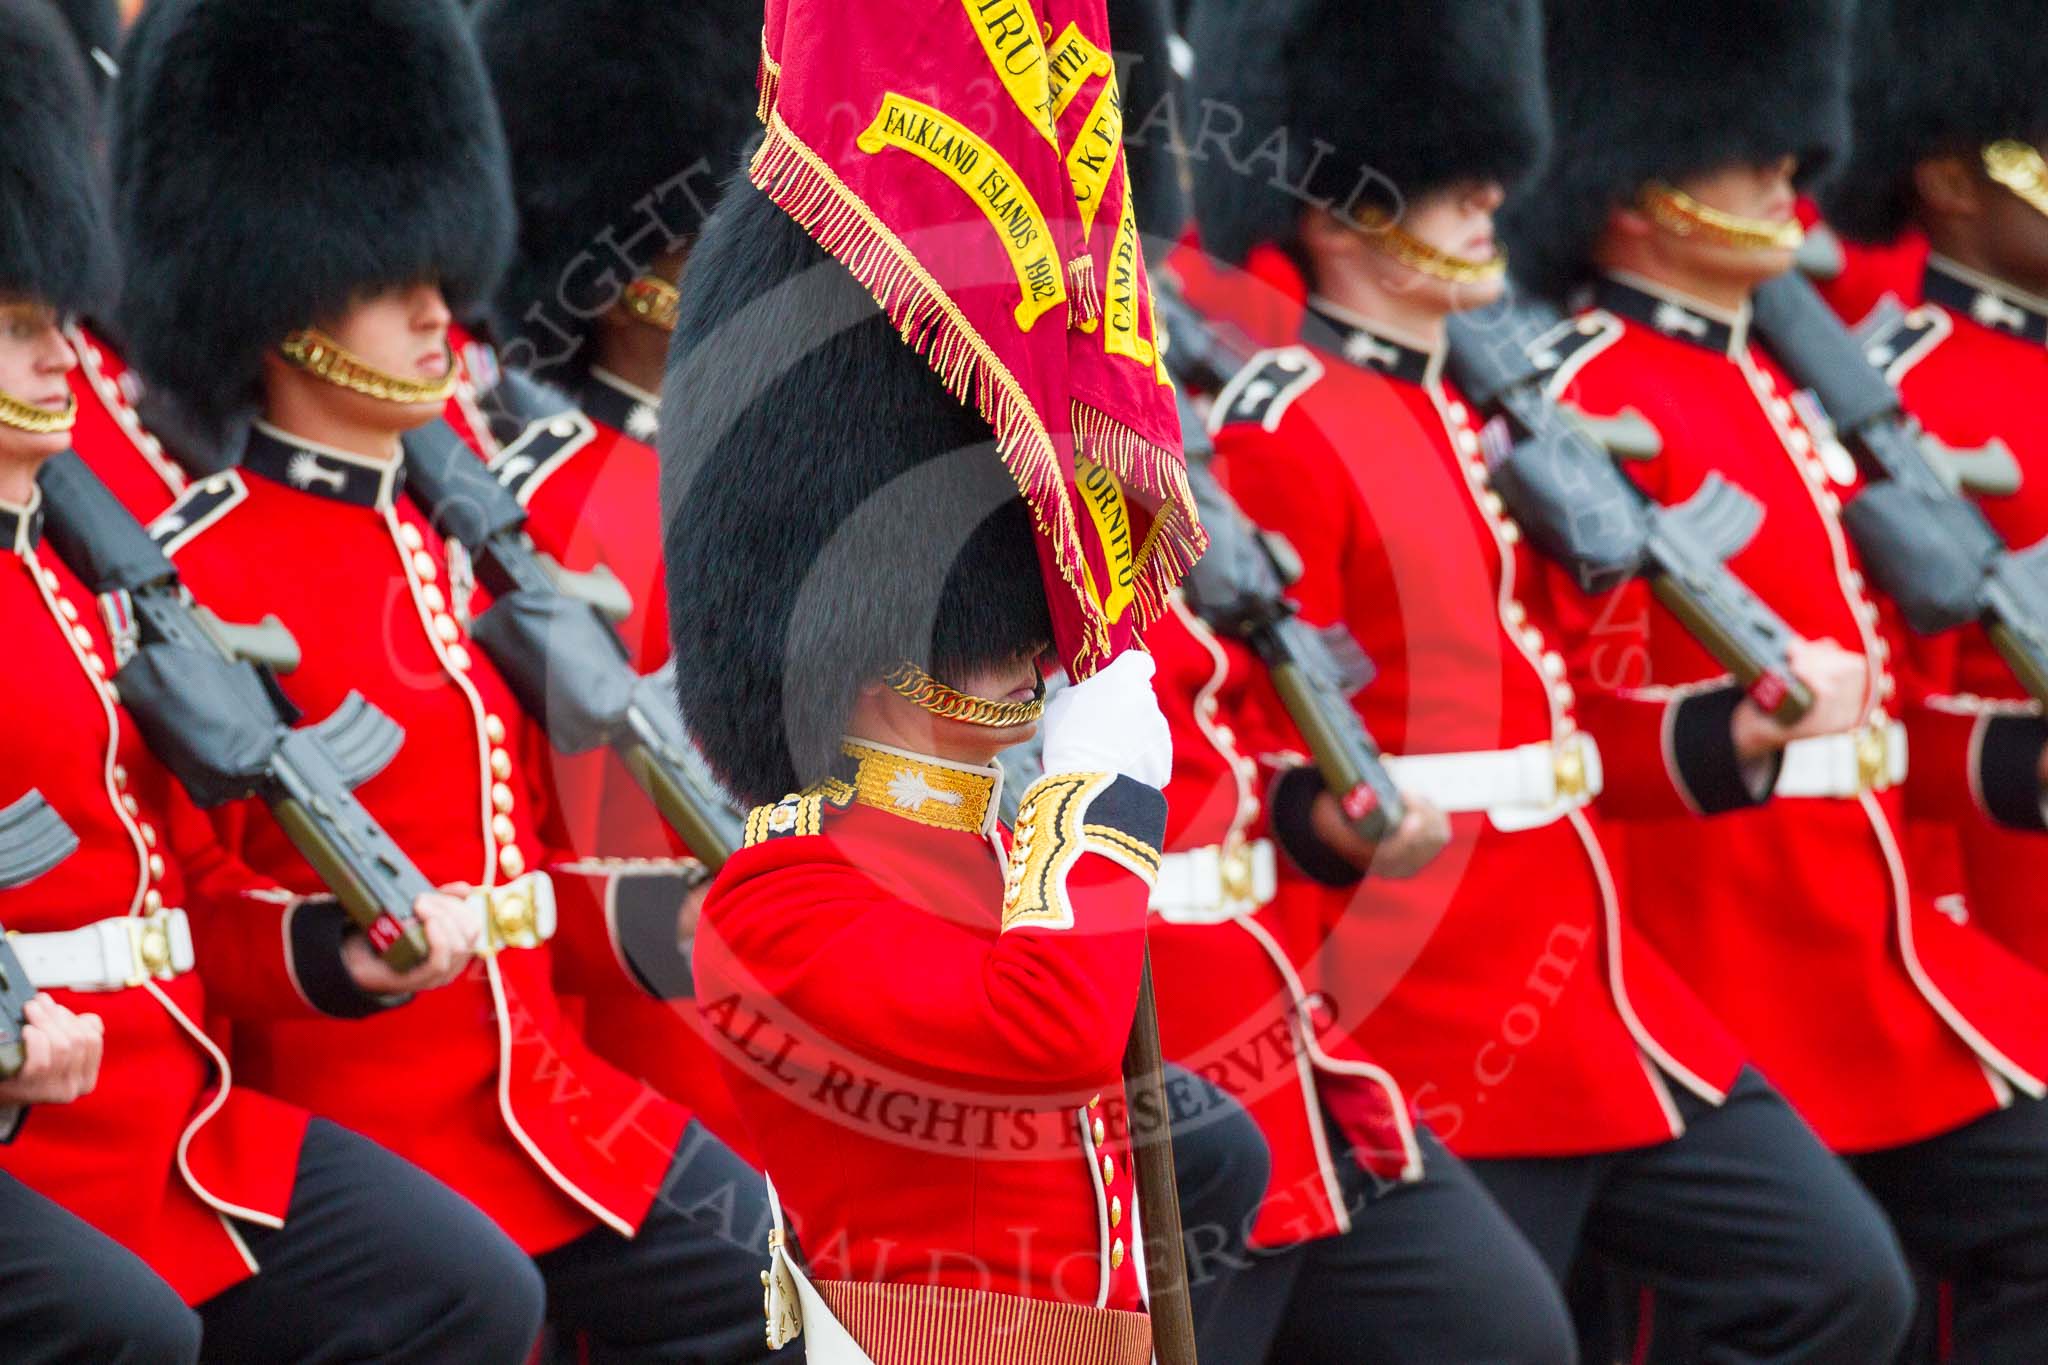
[[1478, 293], [1003, 736]]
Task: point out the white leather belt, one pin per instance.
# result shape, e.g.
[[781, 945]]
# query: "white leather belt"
[[518, 914], [1871, 759], [1521, 788], [1214, 884], [110, 955]]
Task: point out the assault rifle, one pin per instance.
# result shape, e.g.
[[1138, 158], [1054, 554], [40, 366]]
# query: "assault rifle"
[[1239, 587], [205, 697], [1573, 503], [1928, 547], [33, 839], [564, 662]]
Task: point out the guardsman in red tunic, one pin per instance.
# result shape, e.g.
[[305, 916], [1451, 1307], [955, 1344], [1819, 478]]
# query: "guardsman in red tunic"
[[1540, 1036], [1946, 224], [622, 118], [1364, 1228], [272, 1229], [1912, 1042], [921, 1015], [329, 327]]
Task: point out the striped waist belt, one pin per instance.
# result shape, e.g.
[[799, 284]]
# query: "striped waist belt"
[[909, 1324]]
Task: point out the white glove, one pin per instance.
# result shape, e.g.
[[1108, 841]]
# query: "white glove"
[[1111, 724]]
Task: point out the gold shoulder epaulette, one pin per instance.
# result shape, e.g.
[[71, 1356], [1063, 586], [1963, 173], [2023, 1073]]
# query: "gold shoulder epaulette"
[[798, 813], [201, 505]]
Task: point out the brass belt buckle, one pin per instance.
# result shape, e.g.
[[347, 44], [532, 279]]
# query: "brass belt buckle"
[[149, 943], [1237, 873], [1873, 759], [511, 917], [1569, 770]]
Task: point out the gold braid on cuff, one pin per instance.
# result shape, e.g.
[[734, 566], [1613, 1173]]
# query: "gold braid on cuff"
[[2018, 166], [37, 421], [1425, 259], [321, 356], [654, 301], [909, 681], [1682, 215]]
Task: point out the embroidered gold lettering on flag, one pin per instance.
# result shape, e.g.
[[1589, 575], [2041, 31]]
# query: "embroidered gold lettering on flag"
[[1103, 496], [1073, 60], [1015, 44], [1093, 155], [1051, 393], [1120, 334], [981, 171]]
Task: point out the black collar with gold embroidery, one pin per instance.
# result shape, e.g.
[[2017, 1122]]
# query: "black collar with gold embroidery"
[[621, 406], [321, 470], [1986, 301], [21, 528], [1352, 337], [930, 791], [1673, 315]]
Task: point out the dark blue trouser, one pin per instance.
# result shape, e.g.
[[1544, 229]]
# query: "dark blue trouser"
[[1759, 1244]]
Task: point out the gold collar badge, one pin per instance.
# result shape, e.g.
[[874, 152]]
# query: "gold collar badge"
[[927, 790]]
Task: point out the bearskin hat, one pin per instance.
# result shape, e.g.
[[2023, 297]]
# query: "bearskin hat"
[[830, 510], [1334, 102], [624, 118], [1933, 80], [275, 159], [54, 243], [1155, 105], [1645, 92]]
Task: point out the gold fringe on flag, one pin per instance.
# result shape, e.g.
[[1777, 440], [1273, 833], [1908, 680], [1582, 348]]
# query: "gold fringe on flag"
[[1084, 293]]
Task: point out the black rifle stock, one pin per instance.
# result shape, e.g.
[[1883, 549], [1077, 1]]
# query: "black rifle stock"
[[1930, 548], [1576, 507], [1241, 590], [564, 662], [33, 840], [222, 726]]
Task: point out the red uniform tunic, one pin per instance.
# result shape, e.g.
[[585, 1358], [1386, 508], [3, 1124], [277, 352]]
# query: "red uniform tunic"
[[1234, 1001], [168, 1142], [1970, 360], [1881, 1019], [480, 1082], [1503, 984], [591, 487], [110, 437], [924, 1033]]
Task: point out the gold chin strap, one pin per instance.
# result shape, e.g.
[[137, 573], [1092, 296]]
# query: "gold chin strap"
[[37, 421], [321, 356], [2018, 166], [1425, 259], [654, 301], [914, 684], [1682, 215]]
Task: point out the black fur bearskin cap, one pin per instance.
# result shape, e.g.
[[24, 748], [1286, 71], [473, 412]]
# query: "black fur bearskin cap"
[[829, 508]]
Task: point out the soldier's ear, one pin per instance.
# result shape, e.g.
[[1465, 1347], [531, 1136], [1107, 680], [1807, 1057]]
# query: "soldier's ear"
[[1327, 240], [1626, 220], [1950, 186]]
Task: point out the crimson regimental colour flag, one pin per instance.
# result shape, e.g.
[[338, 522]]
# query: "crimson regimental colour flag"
[[964, 159]]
